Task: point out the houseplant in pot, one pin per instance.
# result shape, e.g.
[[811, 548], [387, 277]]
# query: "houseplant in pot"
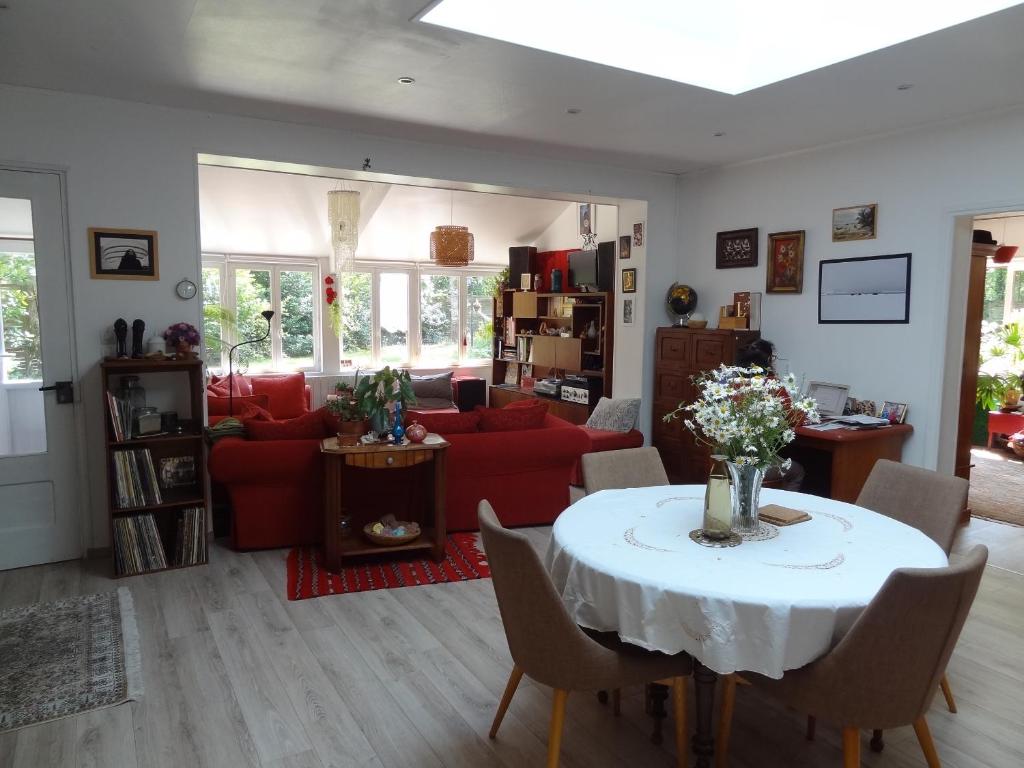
[[377, 395], [746, 416], [352, 420]]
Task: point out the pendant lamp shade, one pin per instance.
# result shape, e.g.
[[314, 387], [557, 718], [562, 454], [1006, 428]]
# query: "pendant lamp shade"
[[451, 246], [343, 216], [1004, 254]]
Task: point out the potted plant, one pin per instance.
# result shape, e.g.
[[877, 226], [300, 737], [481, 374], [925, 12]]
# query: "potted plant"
[[1002, 354], [352, 420], [378, 394], [183, 337]]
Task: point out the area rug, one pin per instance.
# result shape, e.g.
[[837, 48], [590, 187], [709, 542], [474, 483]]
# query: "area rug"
[[308, 578], [67, 657], [997, 486]]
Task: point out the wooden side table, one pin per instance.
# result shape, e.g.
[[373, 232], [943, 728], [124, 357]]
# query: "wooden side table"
[[1004, 423], [385, 457]]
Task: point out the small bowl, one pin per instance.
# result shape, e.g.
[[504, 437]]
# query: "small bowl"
[[384, 540], [696, 323]]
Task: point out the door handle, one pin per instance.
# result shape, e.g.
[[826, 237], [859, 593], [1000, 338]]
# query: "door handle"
[[65, 391]]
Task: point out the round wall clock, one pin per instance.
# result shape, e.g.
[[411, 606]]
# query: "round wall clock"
[[186, 289]]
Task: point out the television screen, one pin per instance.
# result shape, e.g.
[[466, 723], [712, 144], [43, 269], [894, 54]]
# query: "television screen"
[[583, 269]]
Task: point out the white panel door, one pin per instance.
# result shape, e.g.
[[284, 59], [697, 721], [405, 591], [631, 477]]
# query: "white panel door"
[[40, 503]]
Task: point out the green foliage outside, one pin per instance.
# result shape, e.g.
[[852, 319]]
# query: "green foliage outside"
[[19, 304], [297, 297], [356, 324], [252, 296], [995, 293], [479, 315], [439, 319]]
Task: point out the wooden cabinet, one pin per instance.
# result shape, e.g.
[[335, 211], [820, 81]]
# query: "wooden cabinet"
[[574, 413], [679, 354]]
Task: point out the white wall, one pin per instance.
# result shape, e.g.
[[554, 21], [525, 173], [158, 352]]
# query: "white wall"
[[133, 165], [920, 182], [564, 231]]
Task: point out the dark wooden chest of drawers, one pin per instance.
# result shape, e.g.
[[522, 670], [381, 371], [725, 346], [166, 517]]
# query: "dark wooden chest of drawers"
[[680, 353]]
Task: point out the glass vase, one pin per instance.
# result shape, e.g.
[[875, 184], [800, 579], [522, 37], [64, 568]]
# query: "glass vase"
[[717, 522], [746, 490]]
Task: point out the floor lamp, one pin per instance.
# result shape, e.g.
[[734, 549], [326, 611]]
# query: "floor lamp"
[[268, 314]]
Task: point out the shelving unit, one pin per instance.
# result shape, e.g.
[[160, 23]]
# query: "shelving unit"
[[175, 500]]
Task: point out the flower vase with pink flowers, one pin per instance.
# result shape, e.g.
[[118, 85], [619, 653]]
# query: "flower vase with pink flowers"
[[183, 337]]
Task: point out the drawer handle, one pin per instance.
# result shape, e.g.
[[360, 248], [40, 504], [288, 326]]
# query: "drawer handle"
[[389, 460]]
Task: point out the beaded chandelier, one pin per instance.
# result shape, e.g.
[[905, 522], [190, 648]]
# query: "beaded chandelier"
[[343, 216]]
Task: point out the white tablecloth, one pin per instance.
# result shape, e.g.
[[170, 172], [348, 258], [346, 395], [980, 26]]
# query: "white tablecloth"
[[623, 561]]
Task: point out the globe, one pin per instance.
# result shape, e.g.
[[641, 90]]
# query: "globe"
[[680, 302]]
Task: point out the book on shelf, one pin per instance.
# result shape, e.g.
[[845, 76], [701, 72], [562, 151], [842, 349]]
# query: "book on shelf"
[[137, 545], [135, 479], [120, 417]]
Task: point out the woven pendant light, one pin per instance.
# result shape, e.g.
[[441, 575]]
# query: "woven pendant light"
[[343, 216], [451, 245]]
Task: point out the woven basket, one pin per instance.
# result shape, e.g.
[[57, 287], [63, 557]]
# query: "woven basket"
[[383, 540]]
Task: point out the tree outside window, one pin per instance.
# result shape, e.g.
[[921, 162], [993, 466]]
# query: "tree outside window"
[[19, 305]]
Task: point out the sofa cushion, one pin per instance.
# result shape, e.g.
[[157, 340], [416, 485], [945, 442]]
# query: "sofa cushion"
[[534, 402], [308, 426], [433, 391], [616, 415], [218, 406], [512, 419], [449, 423], [219, 385], [287, 394]]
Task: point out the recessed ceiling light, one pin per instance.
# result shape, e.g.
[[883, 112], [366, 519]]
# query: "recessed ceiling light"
[[729, 46], [718, 134], [406, 80], [573, 110], [904, 86]]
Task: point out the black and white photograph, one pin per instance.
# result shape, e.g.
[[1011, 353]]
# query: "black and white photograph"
[[869, 289], [123, 254], [588, 218], [627, 311]]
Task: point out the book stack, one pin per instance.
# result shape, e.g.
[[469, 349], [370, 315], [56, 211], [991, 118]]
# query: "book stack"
[[137, 545], [523, 349], [191, 544], [137, 485], [120, 417]]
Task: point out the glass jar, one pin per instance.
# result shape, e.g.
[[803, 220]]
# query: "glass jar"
[[717, 501]]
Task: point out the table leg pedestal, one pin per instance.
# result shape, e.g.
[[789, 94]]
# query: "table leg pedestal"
[[657, 695], [704, 681], [877, 741]]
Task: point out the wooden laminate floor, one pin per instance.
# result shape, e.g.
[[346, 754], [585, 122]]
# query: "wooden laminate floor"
[[236, 675]]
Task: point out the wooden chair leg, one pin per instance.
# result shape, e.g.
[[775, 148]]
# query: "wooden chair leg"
[[725, 721], [924, 737], [617, 701], [877, 740], [851, 748], [506, 699], [812, 725], [948, 693], [555, 731], [679, 705]]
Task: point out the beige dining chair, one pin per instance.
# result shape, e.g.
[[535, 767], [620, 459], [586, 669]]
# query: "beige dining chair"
[[548, 647], [625, 468], [886, 669]]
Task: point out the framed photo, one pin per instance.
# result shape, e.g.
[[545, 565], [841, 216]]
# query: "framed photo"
[[638, 233], [123, 254], [831, 398], [627, 311], [624, 243], [855, 222], [629, 280], [526, 281], [869, 289], [785, 262], [894, 412], [177, 472], [588, 218], [856, 407], [737, 248]]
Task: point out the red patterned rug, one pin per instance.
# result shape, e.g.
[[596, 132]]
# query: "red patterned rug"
[[307, 577]]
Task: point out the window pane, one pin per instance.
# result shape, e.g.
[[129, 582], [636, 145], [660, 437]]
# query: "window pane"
[[216, 318], [19, 304], [995, 294], [480, 316], [394, 318], [252, 296], [356, 320], [1017, 295], [439, 319], [297, 318]]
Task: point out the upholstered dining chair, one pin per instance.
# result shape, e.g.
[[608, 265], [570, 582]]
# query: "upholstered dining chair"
[[885, 670], [548, 647], [625, 468]]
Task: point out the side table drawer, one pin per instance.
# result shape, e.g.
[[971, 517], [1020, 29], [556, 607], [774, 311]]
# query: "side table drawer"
[[387, 459]]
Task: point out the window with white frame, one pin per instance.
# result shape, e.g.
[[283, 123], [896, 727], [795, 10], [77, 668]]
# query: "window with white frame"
[[236, 290], [1004, 292]]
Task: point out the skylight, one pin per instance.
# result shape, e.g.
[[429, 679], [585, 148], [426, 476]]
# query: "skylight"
[[730, 46]]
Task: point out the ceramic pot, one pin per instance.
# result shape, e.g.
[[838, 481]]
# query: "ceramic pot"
[[349, 432], [416, 432], [746, 491], [184, 350]]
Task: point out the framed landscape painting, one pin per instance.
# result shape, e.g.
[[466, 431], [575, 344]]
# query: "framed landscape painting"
[[855, 222], [786, 262]]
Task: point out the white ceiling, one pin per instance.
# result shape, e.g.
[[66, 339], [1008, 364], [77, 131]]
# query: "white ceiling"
[[259, 212], [335, 63]]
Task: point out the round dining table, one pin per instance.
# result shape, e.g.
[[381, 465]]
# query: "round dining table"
[[623, 561]]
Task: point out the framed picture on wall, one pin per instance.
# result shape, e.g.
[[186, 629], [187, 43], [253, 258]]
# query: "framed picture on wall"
[[123, 254], [869, 289], [624, 243], [629, 280], [627, 311], [736, 248], [588, 218], [638, 233], [785, 262], [855, 222]]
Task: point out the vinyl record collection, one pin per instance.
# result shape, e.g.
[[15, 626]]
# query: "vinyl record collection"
[[137, 545], [137, 484], [191, 544]]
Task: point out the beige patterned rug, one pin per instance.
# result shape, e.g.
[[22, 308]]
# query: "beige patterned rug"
[[66, 657], [997, 486]]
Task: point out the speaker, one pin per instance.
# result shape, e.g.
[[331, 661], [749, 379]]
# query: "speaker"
[[606, 266], [521, 260]]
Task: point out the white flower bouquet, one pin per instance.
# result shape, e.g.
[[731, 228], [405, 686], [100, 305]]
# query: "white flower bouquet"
[[745, 414]]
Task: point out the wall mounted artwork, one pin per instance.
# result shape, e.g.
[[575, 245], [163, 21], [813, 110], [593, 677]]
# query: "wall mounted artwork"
[[785, 262], [855, 222], [872, 289], [736, 248], [123, 254]]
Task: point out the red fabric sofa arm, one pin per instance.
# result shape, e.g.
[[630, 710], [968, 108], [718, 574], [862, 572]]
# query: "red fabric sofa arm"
[[265, 462]]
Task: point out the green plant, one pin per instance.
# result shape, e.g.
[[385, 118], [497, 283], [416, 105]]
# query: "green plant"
[[501, 282], [1000, 363], [990, 390], [345, 405], [389, 385]]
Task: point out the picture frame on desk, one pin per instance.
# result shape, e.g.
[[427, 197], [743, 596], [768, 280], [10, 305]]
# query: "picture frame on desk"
[[896, 413], [831, 398]]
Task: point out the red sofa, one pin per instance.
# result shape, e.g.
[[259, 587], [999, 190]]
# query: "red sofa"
[[276, 486], [284, 396]]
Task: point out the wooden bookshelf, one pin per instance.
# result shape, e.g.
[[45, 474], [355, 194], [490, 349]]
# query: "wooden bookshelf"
[[175, 499]]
